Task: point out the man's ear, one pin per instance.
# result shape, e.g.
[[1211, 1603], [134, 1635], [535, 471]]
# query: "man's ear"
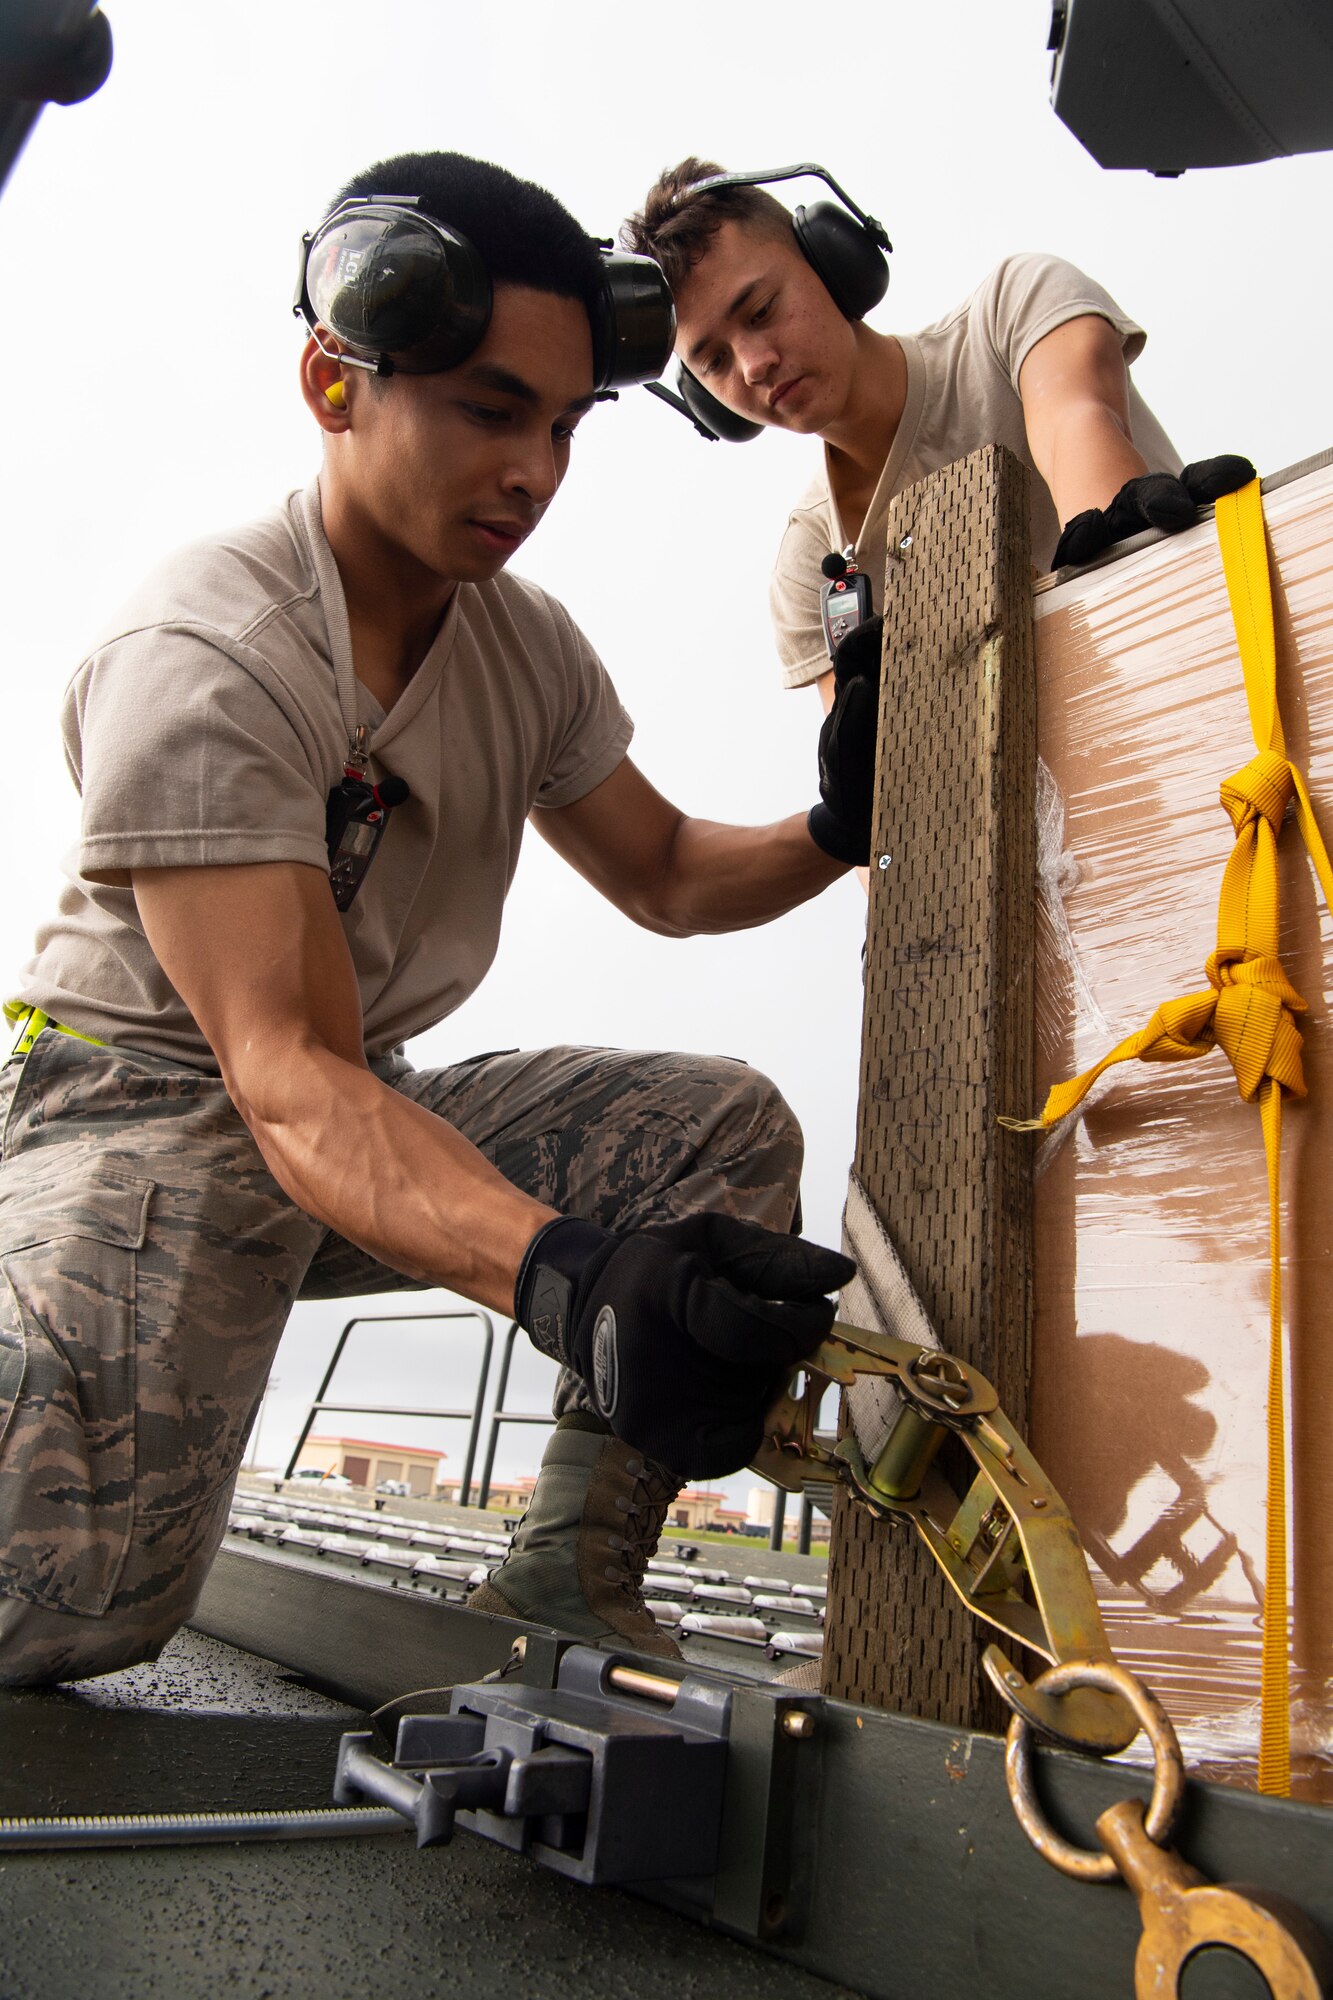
[[326, 388]]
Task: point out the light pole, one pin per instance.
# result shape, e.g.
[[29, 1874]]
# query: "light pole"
[[269, 1386]]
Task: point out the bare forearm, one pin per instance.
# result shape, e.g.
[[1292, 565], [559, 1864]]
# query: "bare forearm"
[[678, 875], [729, 878], [389, 1176]]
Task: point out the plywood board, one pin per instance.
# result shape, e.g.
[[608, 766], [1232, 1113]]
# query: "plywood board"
[[947, 1044]]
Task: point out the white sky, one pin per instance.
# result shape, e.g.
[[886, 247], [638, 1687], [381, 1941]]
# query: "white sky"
[[148, 244]]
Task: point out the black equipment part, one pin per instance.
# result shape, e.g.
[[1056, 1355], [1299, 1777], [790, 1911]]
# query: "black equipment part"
[[355, 821], [605, 1768], [844, 601], [51, 52], [1197, 83]]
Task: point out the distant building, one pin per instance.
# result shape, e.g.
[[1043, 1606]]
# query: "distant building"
[[368, 1463], [696, 1508], [507, 1496]]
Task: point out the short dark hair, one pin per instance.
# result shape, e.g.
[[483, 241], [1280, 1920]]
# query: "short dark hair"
[[523, 235], [676, 226]]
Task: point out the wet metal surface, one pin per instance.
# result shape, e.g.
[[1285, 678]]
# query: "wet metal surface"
[[210, 1725], [355, 1920]]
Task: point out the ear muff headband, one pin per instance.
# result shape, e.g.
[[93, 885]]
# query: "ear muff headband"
[[848, 256], [845, 248], [396, 285]]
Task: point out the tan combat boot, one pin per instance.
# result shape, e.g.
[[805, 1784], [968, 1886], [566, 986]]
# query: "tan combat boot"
[[578, 1558]]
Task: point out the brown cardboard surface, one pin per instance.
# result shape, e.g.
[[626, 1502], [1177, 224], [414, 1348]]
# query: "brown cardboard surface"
[[1152, 1251]]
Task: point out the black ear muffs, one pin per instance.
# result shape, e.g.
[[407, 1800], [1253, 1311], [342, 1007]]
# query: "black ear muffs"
[[847, 260], [394, 284], [844, 247], [633, 321], [842, 252], [712, 417]]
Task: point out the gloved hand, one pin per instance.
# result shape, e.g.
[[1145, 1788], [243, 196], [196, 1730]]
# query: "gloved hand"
[[683, 1333], [840, 823], [1153, 500]]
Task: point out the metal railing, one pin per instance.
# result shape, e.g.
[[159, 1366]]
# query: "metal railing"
[[501, 1416], [320, 1405]]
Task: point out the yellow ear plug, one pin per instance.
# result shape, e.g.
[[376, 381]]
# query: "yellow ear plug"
[[337, 395]]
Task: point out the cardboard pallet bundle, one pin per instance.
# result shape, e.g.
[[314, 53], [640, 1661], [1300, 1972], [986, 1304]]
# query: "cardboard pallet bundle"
[[1151, 1348]]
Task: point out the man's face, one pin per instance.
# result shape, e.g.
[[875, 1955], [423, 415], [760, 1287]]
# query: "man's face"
[[758, 329], [454, 471]]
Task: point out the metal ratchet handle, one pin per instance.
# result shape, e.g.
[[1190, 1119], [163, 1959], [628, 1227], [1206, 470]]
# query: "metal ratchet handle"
[[941, 1392]]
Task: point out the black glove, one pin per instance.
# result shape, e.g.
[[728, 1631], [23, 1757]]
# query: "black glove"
[[840, 823], [684, 1333], [1153, 500]]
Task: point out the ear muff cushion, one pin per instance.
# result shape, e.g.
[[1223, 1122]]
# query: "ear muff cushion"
[[715, 416], [851, 264]]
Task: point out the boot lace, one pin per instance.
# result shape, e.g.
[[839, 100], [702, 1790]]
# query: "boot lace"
[[652, 1492]]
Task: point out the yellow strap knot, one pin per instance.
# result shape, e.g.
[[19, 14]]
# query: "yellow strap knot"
[[1265, 786], [1254, 1027]]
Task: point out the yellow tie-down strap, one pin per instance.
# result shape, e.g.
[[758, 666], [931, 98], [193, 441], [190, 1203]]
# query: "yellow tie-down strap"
[[1249, 1009]]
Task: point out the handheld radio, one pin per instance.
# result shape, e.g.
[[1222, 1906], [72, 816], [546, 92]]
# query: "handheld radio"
[[844, 600], [355, 818]]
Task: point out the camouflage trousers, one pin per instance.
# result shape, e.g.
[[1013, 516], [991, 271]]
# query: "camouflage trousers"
[[151, 1261]]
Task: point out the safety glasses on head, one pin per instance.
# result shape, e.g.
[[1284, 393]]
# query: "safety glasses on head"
[[408, 295], [845, 247]]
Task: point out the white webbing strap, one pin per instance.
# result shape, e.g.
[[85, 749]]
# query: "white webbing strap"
[[880, 1298]]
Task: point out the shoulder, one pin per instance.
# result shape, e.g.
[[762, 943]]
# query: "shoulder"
[[1025, 297], [1026, 282], [226, 585], [808, 528], [1032, 292], [230, 632]]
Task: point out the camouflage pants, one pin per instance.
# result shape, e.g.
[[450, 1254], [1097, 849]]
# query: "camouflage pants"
[[151, 1261]]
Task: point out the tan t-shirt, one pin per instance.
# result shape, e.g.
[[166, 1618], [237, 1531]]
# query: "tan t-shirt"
[[962, 393], [210, 726]]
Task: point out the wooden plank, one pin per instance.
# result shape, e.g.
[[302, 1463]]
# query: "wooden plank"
[[947, 1039]]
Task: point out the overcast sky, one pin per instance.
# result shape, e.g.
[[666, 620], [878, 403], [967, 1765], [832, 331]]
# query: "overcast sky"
[[148, 241]]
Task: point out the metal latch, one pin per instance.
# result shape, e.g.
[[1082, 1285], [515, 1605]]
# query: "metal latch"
[[607, 1772], [1008, 1545]]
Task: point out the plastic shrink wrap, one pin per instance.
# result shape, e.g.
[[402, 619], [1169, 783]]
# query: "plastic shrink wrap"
[[1152, 1244]]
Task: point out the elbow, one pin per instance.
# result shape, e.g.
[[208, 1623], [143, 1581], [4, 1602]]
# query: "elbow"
[[255, 1090], [1081, 422], [663, 898], [662, 915], [274, 1081]]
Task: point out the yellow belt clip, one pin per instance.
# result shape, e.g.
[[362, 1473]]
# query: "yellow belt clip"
[[30, 1021]]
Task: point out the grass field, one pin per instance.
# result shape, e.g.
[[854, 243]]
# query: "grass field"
[[738, 1542]]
